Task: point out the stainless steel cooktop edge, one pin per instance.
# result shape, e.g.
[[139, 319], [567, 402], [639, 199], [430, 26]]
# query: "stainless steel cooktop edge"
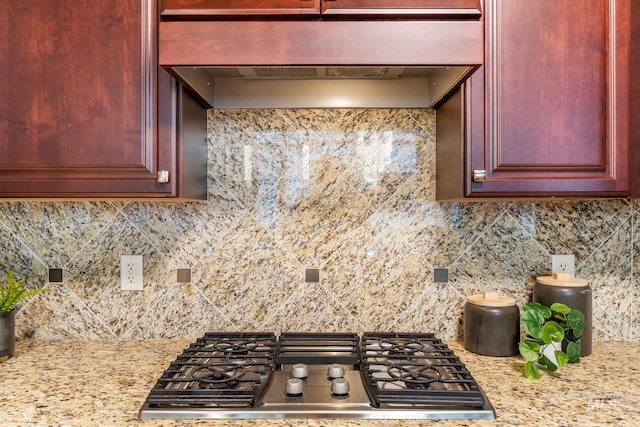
[[487, 412]]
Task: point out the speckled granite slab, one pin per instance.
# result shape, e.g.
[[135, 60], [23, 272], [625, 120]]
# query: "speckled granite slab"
[[104, 383], [350, 192]]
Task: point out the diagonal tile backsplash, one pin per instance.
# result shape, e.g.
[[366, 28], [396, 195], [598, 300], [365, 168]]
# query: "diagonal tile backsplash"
[[247, 274], [351, 192]]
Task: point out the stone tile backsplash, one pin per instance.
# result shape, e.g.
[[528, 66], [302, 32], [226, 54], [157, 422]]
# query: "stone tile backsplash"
[[350, 192]]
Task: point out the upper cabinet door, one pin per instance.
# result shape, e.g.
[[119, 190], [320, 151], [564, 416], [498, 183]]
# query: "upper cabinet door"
[[80, 89], [423, 9], [205, 9], [634, 131], [555, 100]]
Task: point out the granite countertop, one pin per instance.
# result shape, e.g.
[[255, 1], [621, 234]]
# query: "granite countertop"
[[105, 382]]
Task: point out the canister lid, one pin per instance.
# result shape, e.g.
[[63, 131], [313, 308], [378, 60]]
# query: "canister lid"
[[491, 299], [561, 279]]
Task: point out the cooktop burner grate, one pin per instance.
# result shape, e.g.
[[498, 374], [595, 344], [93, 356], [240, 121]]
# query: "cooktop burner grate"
[[218, 370], [415, 369]]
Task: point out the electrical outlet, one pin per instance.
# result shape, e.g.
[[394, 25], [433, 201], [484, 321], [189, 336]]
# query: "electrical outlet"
[[131, 272], [563, 264]]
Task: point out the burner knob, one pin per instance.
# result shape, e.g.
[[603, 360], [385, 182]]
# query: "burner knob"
[[294, 387], [340, 387], [299, 370], [335, 371]]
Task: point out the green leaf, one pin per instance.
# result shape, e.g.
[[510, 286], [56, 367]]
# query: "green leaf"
[[531, 371], [552, 331], [560, 308], [13, 292], [573, 351], [544, 360], [530, 350], [546, 328], [531, 322], [576, 321], [562, 358], [544, 311]]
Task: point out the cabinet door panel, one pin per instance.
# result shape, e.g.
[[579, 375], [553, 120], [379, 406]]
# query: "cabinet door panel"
[[634, 131], [556, 97], [80, 104], [550, 57], [72, 75], [79, 116]]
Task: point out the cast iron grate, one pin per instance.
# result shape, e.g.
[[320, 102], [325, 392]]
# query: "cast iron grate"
[[415, 369], [318, 348], [218, 370]]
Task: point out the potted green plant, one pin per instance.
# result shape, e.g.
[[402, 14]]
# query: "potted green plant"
[[10, 295], [552, 337]]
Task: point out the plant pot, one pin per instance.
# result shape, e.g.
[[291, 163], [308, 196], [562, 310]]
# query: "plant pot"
[[550, 351], [491, 325], [7, 334], [574, 292]]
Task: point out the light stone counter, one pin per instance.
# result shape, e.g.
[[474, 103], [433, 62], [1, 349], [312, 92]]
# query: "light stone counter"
[[104, 383]]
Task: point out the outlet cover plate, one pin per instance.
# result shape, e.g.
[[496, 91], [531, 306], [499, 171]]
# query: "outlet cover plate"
[[131, 272], [564, 264]]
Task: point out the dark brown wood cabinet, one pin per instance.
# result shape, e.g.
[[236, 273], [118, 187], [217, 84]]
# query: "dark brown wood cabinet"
[[86, 111], [203, 9], [548, 115], [635, 102], [423, 9], [415, 9]]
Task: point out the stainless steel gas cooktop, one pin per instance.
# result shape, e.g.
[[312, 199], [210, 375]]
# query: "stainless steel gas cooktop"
[[317, 375]]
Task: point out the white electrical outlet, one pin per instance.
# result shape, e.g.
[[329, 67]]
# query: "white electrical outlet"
[[131, 272], [563, 264]]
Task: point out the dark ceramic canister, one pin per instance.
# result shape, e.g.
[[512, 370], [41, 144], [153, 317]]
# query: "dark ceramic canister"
[[7, 334], [571, 291], [491, 325]]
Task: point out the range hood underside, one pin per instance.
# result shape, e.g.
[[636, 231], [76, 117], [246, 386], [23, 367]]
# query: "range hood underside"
[[411, 88], [320, 64]]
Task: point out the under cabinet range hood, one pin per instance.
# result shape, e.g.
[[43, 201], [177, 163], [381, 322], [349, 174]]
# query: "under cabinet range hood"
[[320, 63]]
